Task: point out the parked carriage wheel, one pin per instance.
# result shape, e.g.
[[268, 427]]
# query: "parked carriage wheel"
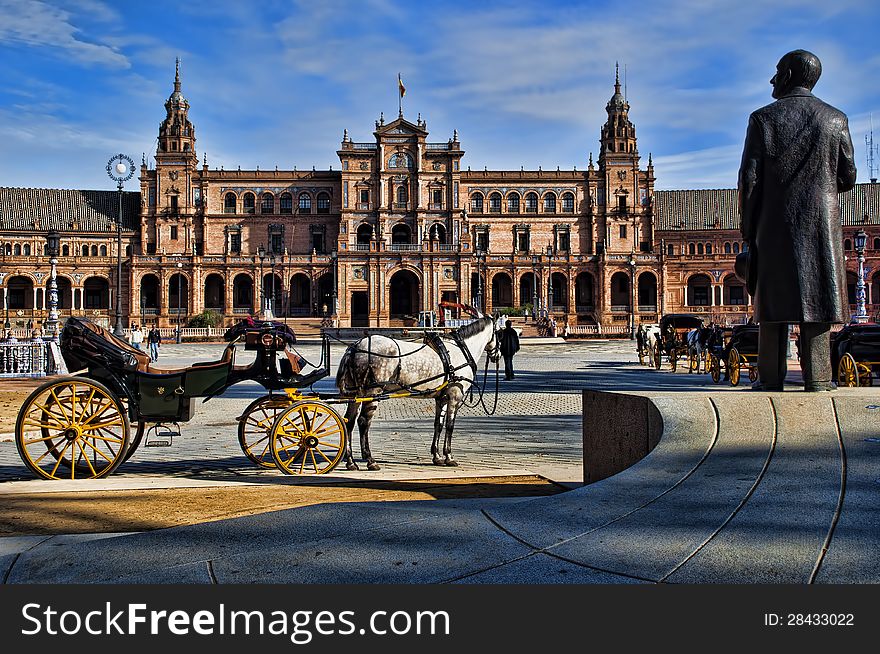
[[865, 377], [847, 371], [255, 428], [658, 357], [72, 428], [135, 440], [733, 366], [308, 438], [753, 373], [715, 367], [694, 363]]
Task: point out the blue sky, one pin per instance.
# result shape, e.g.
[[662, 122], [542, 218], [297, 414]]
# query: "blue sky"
[[525, 83]]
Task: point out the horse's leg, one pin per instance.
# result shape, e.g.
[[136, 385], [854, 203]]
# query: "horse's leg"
[[350, 414], [456, 397], [364, 421], [440, 407]]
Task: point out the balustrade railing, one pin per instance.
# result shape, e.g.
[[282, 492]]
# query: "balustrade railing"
[[27, 359]]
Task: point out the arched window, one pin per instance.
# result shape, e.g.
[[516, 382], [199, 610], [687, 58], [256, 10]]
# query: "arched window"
[[17, 250], [847, 244], [402, 196], [26, 250], [94, 250], [736, 248], [550, 203], [85, 250], [877, 243], [305, 203], [670, 250], [708, 248], [249, 203], [229, 203], [323, 203], [267, 204], [531, 202], [727, 248], [699, 248], [692, 249], [65, 250], [8, 249], [477, 203], [568, 202], [513, 203], [286, 203], [103, 250], [495, 203]]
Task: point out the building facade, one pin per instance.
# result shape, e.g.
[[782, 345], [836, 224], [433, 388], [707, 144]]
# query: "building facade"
[[402, 225]]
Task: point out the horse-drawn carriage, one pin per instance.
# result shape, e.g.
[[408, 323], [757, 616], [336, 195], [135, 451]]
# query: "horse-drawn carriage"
[[735, 349], [855, 354], [672, 340], [81, 426]]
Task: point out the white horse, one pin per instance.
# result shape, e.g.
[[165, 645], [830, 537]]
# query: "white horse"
[[379, 364], [652, 337], [696, 346]]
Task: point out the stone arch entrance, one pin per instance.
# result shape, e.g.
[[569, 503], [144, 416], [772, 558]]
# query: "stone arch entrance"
[[404, 294], [300, 294], [215, 295], [502, 291]]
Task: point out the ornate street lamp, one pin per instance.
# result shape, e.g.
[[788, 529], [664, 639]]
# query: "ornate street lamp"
[[481, 259], [179, 293], [120, 168], [632, 296], [334, 257], [261, 253], [861, 239], [536, 259], [549, 280], [53, 240], [270, 304]]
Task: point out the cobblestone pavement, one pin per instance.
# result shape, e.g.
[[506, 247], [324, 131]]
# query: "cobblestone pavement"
[[536, 427]]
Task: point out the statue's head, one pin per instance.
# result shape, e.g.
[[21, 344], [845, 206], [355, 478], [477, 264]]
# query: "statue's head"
[[798, 68]]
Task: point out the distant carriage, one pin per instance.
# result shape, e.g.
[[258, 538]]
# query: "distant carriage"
[[737, 351], [855, 354], [672, 340]]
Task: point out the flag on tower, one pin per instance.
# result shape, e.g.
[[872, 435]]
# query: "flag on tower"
[[400, 86]]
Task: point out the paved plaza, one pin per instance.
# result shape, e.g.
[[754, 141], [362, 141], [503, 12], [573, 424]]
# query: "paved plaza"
[[536, 428]]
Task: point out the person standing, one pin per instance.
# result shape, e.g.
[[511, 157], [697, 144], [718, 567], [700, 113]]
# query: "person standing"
[[797, 158], [508, 342], [154, 338], [137, 336]]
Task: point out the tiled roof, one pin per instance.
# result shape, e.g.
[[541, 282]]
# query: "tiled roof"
[[51, 208], [717, 208]]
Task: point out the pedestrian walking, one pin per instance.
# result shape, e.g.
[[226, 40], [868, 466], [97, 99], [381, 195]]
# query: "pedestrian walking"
[[154, 338], [137, 336], [508, 342]]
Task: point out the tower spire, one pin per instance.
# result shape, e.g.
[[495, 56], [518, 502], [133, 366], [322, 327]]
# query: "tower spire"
[[616, 77], [177, 74]]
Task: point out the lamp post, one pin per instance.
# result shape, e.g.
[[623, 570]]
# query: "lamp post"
[[270, 304], [549, 281], [632, 296], [179, 293], [120, 168], [334, 257], [6, 324], [53, 239], [261, 253], [481, 257], [536, 259], [861, 239]]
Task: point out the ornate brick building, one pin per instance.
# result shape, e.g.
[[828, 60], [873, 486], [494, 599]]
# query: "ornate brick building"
[[401, 225]]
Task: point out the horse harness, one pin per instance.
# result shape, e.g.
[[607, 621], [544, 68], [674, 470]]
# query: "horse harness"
[[435, 342]]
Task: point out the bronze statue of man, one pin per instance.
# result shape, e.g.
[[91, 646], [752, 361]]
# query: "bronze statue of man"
[[798, 157]]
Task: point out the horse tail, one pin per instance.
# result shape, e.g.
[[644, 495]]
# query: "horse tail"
[[343, 376]]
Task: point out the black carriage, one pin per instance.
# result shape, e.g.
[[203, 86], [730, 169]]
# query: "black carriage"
[[737, 351], [672, 340], [855, 354], [81, 426]]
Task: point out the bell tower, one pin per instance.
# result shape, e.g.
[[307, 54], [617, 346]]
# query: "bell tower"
[[621, 199], [177, 136]]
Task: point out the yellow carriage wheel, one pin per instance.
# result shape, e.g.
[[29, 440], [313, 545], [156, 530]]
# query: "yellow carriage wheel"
[[733, 366], [255, 428], [847, 371], [72, 428], [308, 438], [865, 378], [694, 363]]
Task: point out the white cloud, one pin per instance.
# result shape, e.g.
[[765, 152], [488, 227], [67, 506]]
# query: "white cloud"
[[37, 24]]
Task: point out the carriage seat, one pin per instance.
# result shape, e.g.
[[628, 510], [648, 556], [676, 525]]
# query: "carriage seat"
[[223, 362]]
